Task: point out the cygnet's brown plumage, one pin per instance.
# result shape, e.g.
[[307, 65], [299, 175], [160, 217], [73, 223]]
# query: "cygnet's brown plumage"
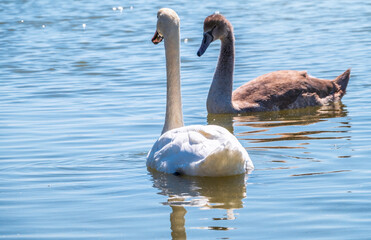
[[286, 89]]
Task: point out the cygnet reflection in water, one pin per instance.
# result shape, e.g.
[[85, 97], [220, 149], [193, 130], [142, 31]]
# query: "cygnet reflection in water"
[[292, 117]]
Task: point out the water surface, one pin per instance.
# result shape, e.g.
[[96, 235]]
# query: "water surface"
[[80, 107]]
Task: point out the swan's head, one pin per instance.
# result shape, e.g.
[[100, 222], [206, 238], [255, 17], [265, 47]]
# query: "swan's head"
[[167, 21], [216, 26]]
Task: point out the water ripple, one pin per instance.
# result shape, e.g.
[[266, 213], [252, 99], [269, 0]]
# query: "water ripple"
[[82, 100]]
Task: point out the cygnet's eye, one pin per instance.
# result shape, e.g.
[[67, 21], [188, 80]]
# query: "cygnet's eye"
[[211, 31]]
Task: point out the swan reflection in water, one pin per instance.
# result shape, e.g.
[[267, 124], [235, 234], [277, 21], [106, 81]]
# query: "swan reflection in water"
[[290, 134], [202, 192], [302, 116]]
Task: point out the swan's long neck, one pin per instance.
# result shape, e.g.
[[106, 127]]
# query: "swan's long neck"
[[219, 99], [174, 115]]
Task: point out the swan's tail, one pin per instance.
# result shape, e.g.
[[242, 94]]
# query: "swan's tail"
[[226, 161], [342, 81]]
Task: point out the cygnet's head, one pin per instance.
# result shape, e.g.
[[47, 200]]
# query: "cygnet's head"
[[167, 21], [216, 26]]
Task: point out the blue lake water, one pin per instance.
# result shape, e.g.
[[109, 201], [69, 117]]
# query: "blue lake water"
[[80, 107]]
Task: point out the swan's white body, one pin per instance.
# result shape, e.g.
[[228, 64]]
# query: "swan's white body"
[[199, 151], [194, 150]]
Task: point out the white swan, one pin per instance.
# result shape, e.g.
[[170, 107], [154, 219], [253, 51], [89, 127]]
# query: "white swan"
[[193, 150]]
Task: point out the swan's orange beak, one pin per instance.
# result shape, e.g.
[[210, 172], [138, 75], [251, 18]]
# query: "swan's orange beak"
[[157, 38]]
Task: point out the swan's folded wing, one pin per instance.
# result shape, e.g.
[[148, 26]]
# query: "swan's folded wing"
[[199, 150]]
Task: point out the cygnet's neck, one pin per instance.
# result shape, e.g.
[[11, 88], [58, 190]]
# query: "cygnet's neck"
[[174, 115], [219, 99]]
